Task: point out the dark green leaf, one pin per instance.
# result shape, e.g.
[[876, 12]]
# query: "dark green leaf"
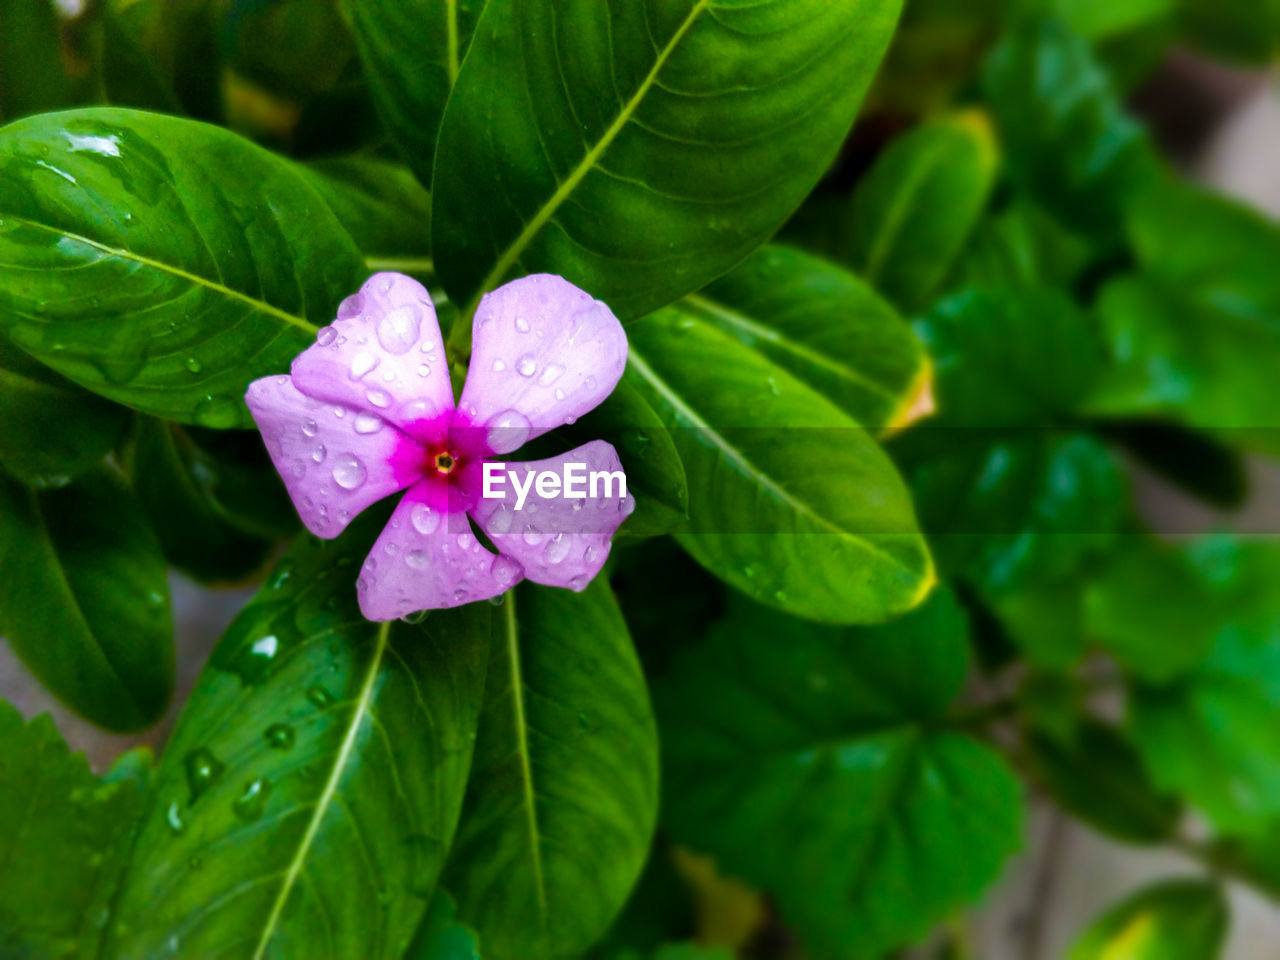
[[411, 51], [50, 429], [161, 262], [383, 207], [1096, 775], [162, 56], [194, 533], [1045, 620], [810, 762], [790, 501], [233, 470], [1211, 735], [1174, 920], [652, 152], [916, 207], [32, 75], [1202, 465], [441, 936], [1247, 31], [561, 809], [307, 798], [822, 325], [1067, 140], [63, 836], [84, 601], [1022, 246]]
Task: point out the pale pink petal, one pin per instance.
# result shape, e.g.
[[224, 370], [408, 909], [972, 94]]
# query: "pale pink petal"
[[543, 353], [383, 354], [558, 541], [427, 558], [335, 460]]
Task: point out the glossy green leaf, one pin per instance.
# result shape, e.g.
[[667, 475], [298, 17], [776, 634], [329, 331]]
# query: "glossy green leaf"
[[411, 51], [790, 501], [33, 77], [50, 429], [382, 206], [141, 261], [441, 936], [1065, 135], [305, 803], [1211, 734], [562, 803], [654, 151], [822, 325], [916, 207], [1173, 920], [1009, 358], [1096, 775], [84, 601], [1152, 609], [811, 762], [1009, 509], [194, 533], [232, 469], [63, 836]]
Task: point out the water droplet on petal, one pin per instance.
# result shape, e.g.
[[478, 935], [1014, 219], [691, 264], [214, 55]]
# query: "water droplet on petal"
[[326, 335], [508, 431], [527, 365], [416, 559], [348, 472], [398, 330], [362, 363], [578, 583], [500, 521], [318, 453], [424, 370], [425, 520], [309, 428], [522, 325], [531, 536], [498, 366], [465, 541], [366, 423], [558, 548], [505, 570], [588, 554], [550, 374], [379, 398]]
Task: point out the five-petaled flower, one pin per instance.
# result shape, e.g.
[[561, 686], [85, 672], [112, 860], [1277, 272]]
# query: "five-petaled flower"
[[368, 410]]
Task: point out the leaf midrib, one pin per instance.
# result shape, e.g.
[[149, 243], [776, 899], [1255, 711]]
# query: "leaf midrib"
[[212, 285], [514, 251], [358, 714], [740, 459]]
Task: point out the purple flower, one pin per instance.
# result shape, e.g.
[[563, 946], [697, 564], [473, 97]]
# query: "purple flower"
[[368, 411]]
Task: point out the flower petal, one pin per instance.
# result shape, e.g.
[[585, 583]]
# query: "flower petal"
[[543, 353], [335, 461], [427, 558], [559, 541], [384, 355]]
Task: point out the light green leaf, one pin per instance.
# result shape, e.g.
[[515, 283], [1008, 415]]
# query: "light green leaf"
[[63, 837], [141, 260], [822, 325], [305, 803], [916, 207], [651, 153], [382, 206], [84, 601], [561, 807], [50, 429], [812, 763], [790, 501], [1211, 734], [412, 50], [1174, 920]]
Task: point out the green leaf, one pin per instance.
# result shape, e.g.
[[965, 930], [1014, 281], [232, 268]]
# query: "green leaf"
[[1010, 357], [411, 51], [84, 601], [1100, 19], [1096, 775], [441, 936], [561, 808], [141, 261], [63, 836], [50, 429], [1152, 609], [822, 325], [916, 207], [1247, 31], [1009, 509], [812, 763], [1045, 620], [195, 535], [1201, 465], [1066, 137], [790, 501], [1173, 920], [32, 75], [307, 798], [653, 152], [1021, 246], [380, 204]]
